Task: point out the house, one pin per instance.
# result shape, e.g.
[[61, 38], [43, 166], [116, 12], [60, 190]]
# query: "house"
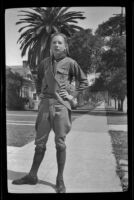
[[28, 89]]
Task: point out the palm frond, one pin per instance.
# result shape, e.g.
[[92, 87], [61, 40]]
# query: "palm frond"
[[24, 34], [26, 40], [73, 14], [74, 21], [39, 24], [63, 10], [57, 10], [30, 14], [31, 25], [25, 48], [68, 19], [43, 42], [75, 27], [39, 30], [31, 55], [39, 9], [28, 21], [55, 29]]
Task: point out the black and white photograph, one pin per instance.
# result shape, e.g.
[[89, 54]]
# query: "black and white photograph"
[[66, 99]]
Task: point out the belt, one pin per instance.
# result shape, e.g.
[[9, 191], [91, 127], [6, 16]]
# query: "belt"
[[51, 101]]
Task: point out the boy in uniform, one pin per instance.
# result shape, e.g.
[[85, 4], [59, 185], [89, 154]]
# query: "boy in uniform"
[[57, 96]]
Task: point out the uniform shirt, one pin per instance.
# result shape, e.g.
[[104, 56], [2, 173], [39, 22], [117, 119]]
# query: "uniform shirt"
[[53, 76]]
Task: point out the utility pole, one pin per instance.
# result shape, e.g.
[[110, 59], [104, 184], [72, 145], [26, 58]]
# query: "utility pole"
[[122, 11], [121, 21]]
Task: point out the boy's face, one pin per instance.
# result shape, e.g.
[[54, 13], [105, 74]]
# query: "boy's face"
[[58, 45]]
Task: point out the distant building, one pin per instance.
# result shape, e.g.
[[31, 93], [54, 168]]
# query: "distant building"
[[28, 89]]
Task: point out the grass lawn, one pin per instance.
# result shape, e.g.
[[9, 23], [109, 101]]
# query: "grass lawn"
[[20, 135], [117, 119], [120, 146]]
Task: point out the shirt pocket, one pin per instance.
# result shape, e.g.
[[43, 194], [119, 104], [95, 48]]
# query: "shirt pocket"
[[62, 71], [62, 74]]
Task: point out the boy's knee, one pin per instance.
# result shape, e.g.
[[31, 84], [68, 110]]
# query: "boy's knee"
[[60, 145], [40, 149]]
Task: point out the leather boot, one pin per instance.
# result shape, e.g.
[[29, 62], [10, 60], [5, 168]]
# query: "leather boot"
[[61, 158], [60, 186], [28, 179], [32, 178]]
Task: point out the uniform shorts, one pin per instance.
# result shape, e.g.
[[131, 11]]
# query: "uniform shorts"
[[52, 115]]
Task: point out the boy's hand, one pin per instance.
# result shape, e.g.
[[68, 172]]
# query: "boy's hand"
[[64, 94], [73, 101]]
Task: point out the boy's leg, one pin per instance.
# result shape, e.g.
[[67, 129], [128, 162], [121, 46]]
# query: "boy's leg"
[[61, 159], [62, 126], [43, 128]]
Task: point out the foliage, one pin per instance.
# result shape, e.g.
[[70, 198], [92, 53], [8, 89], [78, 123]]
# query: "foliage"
[[40, 24], [82, 46], [99, 85], [118, 85], [13, 86], [113, 69], [114, 26]]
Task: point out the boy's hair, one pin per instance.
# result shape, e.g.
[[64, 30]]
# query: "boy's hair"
[[65, 39]]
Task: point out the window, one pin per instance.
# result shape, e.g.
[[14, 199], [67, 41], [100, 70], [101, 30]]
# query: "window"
[[29, 76], [34, 96], [25, 92]]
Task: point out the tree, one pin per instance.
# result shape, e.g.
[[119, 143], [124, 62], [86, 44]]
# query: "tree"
[[99, 85], [113, 70], [82, 45], [40, 24], [85, 48], [14, 84], [118, 87], [115, 26]]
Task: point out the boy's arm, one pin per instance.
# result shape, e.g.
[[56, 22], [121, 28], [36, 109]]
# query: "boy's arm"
[[82, 83], [80, 77]]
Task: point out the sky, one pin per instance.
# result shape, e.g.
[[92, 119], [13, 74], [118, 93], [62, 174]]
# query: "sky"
[[94, 17]]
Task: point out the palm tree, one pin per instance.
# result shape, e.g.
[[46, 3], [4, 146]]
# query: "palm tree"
[[40, 23]]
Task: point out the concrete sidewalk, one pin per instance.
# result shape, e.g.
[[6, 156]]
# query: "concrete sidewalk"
[[90, 165]]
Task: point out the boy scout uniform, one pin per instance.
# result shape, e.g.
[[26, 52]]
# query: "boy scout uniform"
[[55, 111]]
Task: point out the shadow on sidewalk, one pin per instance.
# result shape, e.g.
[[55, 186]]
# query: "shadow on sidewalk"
[[12, 175], [106, 113]]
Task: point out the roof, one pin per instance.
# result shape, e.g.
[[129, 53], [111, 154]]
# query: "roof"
[[24, 72], [20, 70]]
